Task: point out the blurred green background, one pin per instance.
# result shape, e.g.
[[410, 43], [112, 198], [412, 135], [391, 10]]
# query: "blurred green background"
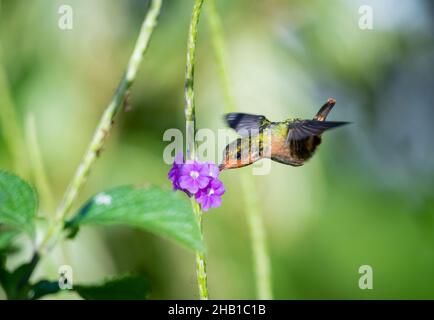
[[365, 198]]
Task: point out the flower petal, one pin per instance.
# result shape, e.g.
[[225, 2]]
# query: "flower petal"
[[220, 190], [187, 183], [202, 181], [186, 169], [206, 203], [213, 170], [215, 201]]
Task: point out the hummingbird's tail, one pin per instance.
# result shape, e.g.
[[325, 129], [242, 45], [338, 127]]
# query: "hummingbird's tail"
[[325, 109]]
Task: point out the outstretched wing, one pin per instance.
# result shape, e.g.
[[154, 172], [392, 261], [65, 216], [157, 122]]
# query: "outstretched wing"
[[243, 123], [303, 129]]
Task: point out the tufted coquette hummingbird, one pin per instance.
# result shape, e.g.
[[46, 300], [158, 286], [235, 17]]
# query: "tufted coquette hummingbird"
[[291, 142]]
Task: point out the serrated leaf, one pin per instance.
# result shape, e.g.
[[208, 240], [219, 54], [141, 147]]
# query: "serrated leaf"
[[129, 287], [6, 237], [162, 212], [18, 203]]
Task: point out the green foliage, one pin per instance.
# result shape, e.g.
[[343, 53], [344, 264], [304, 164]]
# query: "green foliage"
[[6, 237], [43, 288], [16, 283], [129, 287], [162, 212], [18, 203], [126, 287]]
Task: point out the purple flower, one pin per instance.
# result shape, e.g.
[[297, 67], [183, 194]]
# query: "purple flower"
[[213, 170], [194, 176], [210, 197], [199, 179], [175, 171]]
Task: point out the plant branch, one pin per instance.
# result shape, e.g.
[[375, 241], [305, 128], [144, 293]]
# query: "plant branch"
[[190, 133], [257, 238], [109, 114], [37, 165], [107, 119], [202, 279], [10, 126], [219, 54], [253, 214]]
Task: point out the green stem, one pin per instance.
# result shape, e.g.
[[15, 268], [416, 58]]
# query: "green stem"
[[106, 122], [253, 214], [37, 165], [10, 126], [190, 133], [109, 114], [257, 238], [219, 54], [200, 258]]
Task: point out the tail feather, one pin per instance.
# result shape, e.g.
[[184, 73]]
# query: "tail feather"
[[325, 109]]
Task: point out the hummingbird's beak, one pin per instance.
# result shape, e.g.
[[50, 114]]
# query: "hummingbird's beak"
[[325, 109]]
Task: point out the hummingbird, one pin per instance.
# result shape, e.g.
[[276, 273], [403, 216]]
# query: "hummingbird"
[[290, 142]]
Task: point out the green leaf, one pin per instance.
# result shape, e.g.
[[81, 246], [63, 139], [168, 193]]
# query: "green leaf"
[[162, 212], [43, 288], [128, 287], [18, 203], [7, 248], [16, 283], [6, 237]]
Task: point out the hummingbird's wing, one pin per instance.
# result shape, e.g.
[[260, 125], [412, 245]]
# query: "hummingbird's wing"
[[244, 123], [303, 129]]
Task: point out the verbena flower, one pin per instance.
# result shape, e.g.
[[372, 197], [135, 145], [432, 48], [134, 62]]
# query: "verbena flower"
[[210, 197], [194, 176], [198, 179], [175, 171], [213, 170]]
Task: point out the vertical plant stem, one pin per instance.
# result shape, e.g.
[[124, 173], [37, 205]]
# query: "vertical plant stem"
[[10, 126], [37, 165], [257, 238], [253, 213], [106, 122], [109, 114], [190, 133], [219, 54], [200, 258]]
